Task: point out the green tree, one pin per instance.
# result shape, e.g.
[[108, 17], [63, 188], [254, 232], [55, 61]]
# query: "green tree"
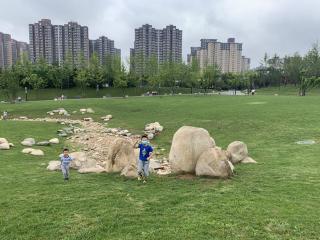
[[292, 67], [9, 84], [310, 74], [121, 80], [210, 76]]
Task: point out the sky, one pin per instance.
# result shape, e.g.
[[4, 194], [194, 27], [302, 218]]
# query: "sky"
[[263, 26]]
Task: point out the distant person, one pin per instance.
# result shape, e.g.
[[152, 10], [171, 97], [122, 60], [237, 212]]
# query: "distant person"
[[62, 97], [5, 115], [145, 155], [253, 92], [65, 163], [19, 99]]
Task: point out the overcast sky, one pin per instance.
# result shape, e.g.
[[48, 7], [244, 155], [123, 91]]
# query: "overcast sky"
[[272, 26]]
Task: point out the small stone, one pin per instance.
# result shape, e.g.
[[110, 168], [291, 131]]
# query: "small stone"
[[37, 152], [29, 142], [27, 150], [89, 110], [54, 141]]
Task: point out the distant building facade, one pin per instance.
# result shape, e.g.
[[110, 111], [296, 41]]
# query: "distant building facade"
[[162, 45], [227, 56], [104, 47], [11, 51], [5, 50], [58, 43]]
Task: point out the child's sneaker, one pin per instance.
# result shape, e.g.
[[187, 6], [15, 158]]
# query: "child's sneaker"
[[139, 178]]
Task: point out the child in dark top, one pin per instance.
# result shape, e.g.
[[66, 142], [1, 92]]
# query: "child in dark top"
[[145, 155]]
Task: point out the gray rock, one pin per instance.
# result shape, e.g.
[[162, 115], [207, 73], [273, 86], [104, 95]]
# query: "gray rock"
[[28, 142], [43, 143]]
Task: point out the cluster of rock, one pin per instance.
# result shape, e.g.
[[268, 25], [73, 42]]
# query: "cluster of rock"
[[119, 132], [32, 151], [153, 129], [59, 111], [69, 130], [194, 151], [63, 112], [5, 145], [47, 119], [29, 142], [107, 150]]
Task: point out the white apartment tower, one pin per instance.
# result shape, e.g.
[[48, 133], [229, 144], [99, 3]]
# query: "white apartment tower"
[[227, 56]]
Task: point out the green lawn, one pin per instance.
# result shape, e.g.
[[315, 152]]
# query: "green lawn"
[[278, 198], [76, 93]]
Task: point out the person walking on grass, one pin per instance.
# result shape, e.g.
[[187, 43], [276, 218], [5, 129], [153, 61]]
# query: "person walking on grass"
[[145, 155], [65, 163]]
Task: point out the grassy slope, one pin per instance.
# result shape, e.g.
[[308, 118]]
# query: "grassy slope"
[[275, 199]]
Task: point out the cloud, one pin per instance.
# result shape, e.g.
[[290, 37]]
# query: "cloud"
[[273, 26]]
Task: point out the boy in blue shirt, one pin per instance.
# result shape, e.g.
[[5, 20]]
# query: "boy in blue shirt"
[[65, 163], [145, 155]]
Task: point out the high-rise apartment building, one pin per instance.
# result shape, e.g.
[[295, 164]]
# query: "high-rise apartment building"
[[104, 47], [19, 49], [227, 56], [171, 44], [11, 50], [76, 42], [163, 45], [245, 64], [41, 41], [56, 43], [5, 50]]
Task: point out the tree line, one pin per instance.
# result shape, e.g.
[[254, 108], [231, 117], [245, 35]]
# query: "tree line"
[[301, 71]]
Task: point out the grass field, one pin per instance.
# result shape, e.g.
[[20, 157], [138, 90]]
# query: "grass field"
[[77, 93], [278, 198]]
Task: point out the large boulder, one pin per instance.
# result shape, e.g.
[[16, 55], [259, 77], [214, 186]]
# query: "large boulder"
[[4, 144], [54, 166], [120, 155], [187, 145], [28, 142], [214, 163], [238, 153]]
